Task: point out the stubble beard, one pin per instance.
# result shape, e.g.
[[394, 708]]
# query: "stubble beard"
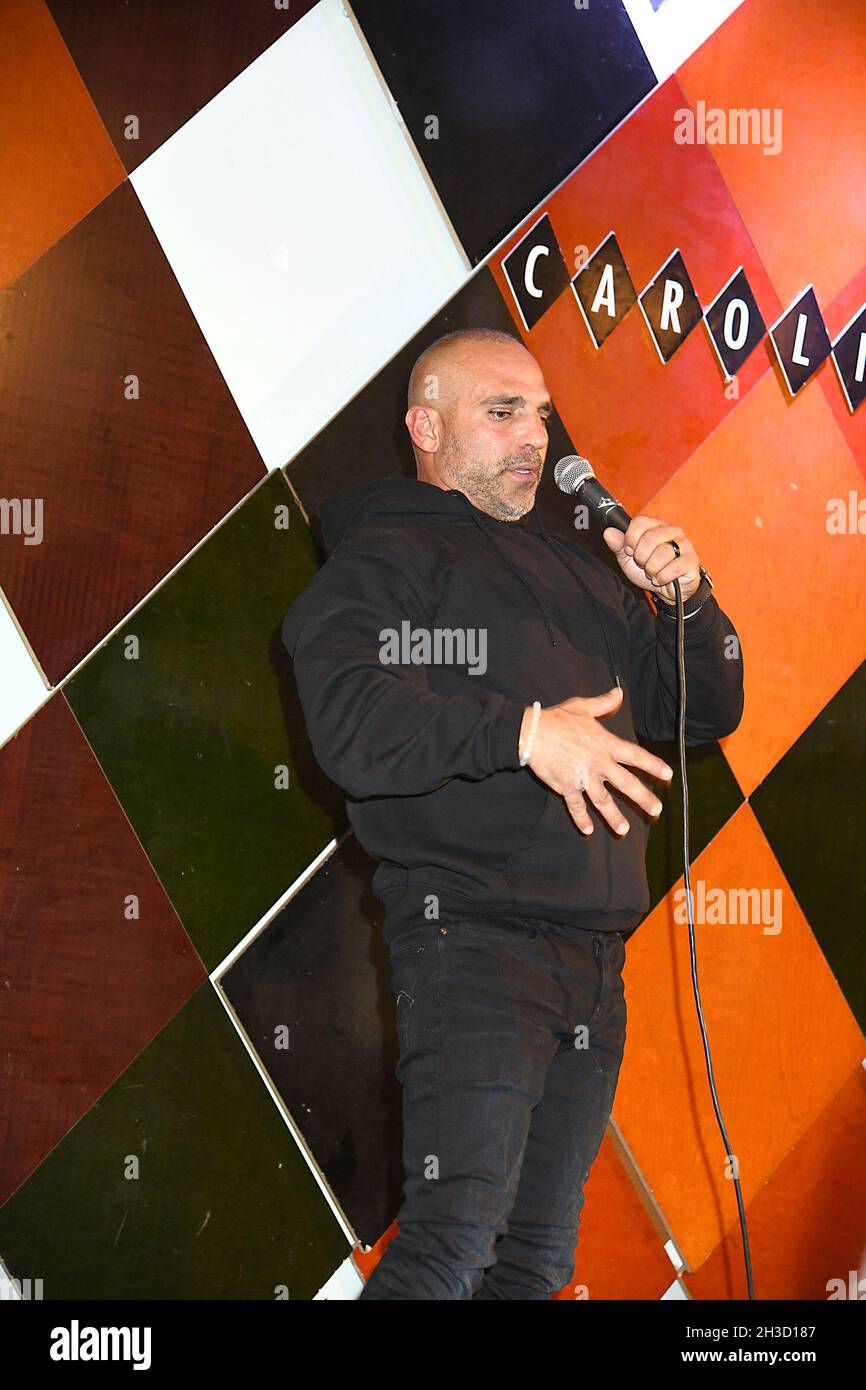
[[486, 488]]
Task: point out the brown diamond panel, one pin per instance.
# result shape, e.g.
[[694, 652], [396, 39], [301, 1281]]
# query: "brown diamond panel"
[[93, 959], [115, 415]]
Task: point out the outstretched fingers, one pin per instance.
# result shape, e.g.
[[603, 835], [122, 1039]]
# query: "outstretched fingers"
[[595, 789], [633, 787], [635, 756]]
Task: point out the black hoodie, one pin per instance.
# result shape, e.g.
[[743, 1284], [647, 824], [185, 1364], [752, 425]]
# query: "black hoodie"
[[427, 753]]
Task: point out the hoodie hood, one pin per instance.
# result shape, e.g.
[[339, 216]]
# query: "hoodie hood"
[[399, 496], [411, 497]]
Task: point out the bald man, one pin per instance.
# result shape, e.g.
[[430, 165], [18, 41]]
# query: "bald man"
[[478, 688]]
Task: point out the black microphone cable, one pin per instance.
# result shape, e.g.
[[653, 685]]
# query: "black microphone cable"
[[681, 748]]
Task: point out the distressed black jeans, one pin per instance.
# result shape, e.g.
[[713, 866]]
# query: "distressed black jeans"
[[511, 1034]]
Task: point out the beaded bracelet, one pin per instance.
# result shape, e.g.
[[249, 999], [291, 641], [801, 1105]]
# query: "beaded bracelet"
[[536, 715]]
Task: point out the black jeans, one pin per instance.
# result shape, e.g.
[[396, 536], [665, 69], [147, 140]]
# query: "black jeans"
[[511, 1035]]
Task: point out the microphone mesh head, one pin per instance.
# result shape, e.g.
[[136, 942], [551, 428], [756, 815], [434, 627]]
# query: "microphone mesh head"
[[570, 471]]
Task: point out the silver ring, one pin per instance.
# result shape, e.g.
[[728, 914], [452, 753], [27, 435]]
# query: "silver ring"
[[676, 548]]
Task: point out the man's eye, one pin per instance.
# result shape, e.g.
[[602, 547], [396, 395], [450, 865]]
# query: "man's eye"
[[504, 413]]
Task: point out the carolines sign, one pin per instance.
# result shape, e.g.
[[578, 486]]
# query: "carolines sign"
[[537, 274]]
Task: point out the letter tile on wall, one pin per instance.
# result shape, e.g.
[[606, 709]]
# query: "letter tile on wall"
[[845, 308]]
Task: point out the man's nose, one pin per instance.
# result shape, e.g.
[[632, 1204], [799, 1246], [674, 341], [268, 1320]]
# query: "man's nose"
[[535, 435]]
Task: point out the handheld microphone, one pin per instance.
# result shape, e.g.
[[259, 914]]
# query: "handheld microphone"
[[575, 475]]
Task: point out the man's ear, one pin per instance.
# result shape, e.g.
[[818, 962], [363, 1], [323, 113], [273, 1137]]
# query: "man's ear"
[[425, 428]]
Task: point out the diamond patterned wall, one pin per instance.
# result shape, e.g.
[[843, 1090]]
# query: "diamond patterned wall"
[[227, 235]]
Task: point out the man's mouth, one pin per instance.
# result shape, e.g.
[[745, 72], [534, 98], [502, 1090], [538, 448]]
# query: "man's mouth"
[[525, 470]]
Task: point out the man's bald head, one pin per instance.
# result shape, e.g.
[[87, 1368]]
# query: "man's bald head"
[[442, 367]]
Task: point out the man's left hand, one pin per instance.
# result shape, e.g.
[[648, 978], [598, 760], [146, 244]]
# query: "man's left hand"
[[647, 558]]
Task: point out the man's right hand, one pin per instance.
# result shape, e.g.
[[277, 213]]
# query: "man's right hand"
[[575, 755]]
